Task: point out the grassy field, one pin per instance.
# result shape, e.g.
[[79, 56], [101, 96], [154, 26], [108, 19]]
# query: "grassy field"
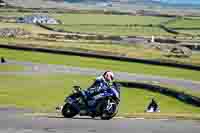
[[28, 27], [184, 23], [98, 47], [191, 32], [42, 93], [72, 18], [173, 88], [101, 64], [191, 25], [135, 51], [104, 24], [19, 14], [96, 23], [9, 67], [107, 19], [114, 30]]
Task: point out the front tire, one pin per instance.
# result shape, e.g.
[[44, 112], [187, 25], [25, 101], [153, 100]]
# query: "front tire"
[[68, 111], [109, 109]]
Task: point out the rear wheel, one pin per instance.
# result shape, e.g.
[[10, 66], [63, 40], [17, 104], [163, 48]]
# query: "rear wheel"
[[109, 109], [68, 111]]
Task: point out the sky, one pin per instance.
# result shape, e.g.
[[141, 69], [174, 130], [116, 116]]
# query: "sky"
[[194, 2], [181, 1]]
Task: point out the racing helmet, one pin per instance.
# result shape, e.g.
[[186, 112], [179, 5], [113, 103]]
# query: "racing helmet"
[[108, 76]]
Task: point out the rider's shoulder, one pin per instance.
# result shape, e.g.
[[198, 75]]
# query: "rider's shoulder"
[[100, 78]]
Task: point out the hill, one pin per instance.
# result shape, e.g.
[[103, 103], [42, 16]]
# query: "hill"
[[111, 4]]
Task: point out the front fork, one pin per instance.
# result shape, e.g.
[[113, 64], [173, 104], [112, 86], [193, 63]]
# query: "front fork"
[[109, 105]]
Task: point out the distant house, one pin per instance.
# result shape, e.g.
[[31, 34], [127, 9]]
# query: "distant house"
[[33, 19], [2, 3]]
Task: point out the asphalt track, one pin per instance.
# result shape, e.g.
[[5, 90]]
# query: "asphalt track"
[[14, 121], [36, 68]]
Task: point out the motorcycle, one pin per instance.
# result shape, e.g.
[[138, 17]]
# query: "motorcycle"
[[104, 105]]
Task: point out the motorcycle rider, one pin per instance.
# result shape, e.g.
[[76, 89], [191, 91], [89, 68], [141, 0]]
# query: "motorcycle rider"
[[100, 85]]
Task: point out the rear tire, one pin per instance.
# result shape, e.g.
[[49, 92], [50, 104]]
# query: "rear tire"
[[68, 111]]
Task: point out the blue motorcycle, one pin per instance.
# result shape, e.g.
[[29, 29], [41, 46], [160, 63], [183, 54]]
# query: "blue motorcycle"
[[103, 105]]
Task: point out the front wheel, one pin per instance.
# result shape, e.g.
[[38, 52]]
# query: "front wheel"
[[68, 111], [109, 109]]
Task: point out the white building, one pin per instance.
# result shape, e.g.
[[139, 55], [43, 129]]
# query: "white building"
[[37, 19]]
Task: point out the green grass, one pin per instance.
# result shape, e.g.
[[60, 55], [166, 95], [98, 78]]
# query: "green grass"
[[42, 93], [184, 23], [95, 23], [195, 93], [10, 67], [72, 18], [99, 23], [135, 51], [28, 27], [101, 64], [191, 32], [135, 101], [14, 14], [113, 30], [37, 92], [101, 47], [107, 19]]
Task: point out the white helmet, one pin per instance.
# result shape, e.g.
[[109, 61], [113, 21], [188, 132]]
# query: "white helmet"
[[108, 76]]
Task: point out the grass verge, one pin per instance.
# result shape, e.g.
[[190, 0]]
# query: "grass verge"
[[100, 64], [9, 68], [42, 93], [103, 47]]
